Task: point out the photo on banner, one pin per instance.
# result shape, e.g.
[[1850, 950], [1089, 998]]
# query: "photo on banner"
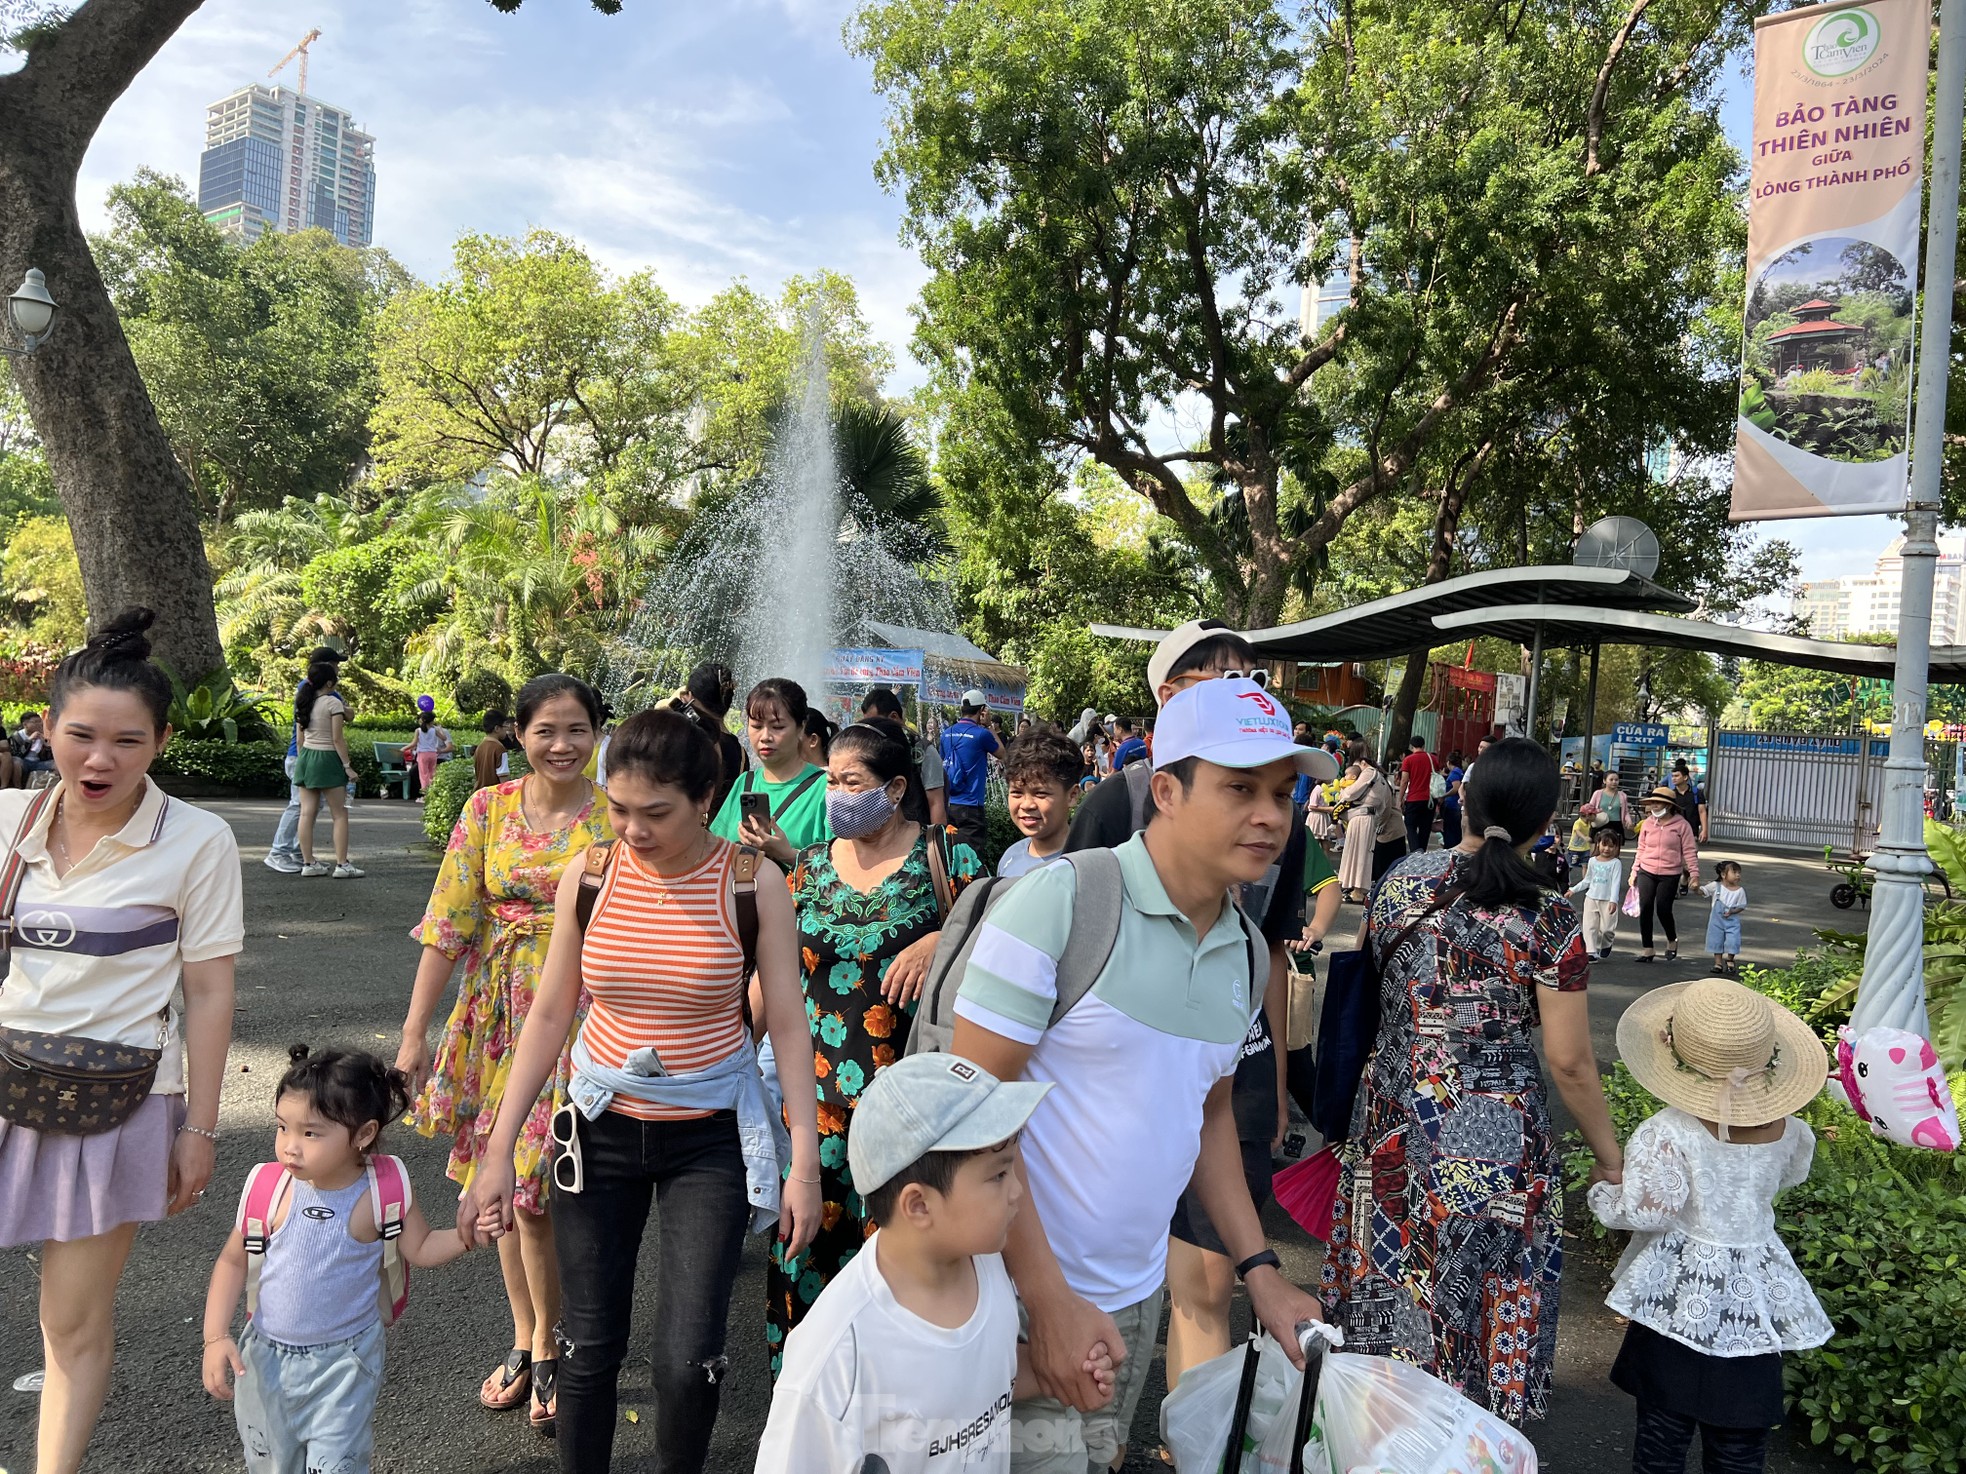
[[1837, 183]]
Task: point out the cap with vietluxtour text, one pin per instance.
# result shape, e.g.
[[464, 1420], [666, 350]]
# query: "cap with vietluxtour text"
[[926, 1103], [1234, 723]]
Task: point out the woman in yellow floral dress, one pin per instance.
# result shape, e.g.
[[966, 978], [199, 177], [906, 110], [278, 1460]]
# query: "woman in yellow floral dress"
[[492, 905]]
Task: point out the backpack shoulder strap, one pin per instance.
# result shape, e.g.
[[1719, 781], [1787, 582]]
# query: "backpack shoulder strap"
[[744, 901], [800, 787], [259, 1202], [1098, 898], [389, 1197], [600, 855], [936, 839], [1139, 793]]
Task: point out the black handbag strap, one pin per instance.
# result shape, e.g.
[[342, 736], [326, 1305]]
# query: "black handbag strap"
[[14, 875], [1245, 1394]]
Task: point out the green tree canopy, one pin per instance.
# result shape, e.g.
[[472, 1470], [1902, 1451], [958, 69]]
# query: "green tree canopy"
[[259, 360], [1121, 201], [529, 357]]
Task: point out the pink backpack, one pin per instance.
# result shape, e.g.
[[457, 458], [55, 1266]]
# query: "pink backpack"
[[267, 1186]]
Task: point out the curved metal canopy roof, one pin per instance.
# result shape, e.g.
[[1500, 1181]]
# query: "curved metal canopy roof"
[[1403, 623], [1574, 625]]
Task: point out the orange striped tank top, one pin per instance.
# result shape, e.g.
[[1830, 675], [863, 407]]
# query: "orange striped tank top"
[[664, 967]]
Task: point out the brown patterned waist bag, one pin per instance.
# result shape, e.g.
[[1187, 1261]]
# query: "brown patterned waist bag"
[[62, 1084]]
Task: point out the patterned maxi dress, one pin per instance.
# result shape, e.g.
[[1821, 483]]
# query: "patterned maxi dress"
[[847, 940], [492, 905], [1446, 1245]]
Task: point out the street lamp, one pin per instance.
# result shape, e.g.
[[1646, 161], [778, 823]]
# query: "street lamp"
[[32, 312]]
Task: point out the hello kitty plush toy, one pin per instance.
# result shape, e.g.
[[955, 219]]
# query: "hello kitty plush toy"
[[1892, 1079]]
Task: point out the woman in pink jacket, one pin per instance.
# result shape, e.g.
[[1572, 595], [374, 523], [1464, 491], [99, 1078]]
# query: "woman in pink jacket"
[[1666, 851]]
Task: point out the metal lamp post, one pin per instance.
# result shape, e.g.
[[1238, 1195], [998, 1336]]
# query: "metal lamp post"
[[31, 312], [1893, 988]]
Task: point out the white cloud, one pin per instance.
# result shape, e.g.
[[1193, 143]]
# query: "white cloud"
[[704, 142]]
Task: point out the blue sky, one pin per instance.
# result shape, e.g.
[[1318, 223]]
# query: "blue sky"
[[708, 141]]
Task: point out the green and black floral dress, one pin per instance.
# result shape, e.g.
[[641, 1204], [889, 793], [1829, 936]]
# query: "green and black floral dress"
[[847, 939]]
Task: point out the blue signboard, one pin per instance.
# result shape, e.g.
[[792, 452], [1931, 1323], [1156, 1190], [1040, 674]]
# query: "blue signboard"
[[1787, 742], [1640, 734]]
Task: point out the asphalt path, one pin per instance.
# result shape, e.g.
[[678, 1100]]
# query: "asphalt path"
[[330, 962]]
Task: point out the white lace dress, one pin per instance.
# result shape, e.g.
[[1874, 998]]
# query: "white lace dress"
[[1705, 1265]]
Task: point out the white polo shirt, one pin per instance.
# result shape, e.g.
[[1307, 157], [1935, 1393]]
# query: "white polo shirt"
[[99, 952]]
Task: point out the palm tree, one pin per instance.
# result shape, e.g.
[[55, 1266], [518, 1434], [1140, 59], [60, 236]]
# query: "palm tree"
[[533, 574], [878, 461]]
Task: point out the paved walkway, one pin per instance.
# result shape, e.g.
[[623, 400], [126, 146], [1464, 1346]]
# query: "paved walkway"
[[330, 962]]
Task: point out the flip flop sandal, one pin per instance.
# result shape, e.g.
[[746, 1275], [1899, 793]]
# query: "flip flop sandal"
[[545, 1374], [1672, 954], [514, 1382]]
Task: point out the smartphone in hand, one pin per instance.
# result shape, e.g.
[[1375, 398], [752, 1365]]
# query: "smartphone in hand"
[[754, 806]]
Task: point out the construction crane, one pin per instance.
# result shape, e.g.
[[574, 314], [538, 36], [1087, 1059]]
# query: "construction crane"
[[300, 51]]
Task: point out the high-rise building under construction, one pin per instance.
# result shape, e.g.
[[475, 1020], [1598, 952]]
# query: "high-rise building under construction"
[[276, 159]]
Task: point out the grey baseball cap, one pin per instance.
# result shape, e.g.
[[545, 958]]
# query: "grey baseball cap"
[[932, 1103]]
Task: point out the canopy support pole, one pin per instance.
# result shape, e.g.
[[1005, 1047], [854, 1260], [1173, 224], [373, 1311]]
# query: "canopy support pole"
[[1535, 680], [1590, 712]]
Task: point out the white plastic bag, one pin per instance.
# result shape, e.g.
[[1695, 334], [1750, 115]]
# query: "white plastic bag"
[[1376, 1414], [1195, 1416]]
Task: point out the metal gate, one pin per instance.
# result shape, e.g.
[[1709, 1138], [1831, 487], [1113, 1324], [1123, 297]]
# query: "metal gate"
[[1800, 790]]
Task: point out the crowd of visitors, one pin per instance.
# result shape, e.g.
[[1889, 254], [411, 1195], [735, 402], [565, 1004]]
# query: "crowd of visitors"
[[708, 990]]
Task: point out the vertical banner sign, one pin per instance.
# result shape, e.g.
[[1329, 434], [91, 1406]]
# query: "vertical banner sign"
[[1834, 197]]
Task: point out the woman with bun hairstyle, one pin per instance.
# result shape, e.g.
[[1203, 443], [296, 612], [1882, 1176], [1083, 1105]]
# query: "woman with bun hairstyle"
[[492, 907], [1446, 1236], [322, 766], [667, 1114], [138, 900]]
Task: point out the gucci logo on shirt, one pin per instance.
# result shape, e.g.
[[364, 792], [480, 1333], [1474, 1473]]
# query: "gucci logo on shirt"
[[42, 928]]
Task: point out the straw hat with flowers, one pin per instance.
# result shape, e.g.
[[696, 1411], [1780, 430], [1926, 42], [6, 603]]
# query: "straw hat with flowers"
[[1722, 1052]]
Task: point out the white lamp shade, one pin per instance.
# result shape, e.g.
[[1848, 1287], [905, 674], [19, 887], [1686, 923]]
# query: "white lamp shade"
[[30, 307]]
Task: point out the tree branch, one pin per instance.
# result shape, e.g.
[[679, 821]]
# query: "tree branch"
[[75, 73], [1594, 119]]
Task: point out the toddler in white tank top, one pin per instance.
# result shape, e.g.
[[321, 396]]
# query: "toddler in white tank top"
[[309, 1250]]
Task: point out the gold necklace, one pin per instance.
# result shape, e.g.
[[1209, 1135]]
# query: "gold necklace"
[[525, 787], [663, 891], [61, 844]]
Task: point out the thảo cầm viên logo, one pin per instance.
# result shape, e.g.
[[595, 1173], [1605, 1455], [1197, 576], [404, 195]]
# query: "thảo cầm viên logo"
[[1838, 44]]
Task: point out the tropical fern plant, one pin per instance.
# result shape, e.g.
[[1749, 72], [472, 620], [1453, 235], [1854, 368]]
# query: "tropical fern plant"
[[216, 710]]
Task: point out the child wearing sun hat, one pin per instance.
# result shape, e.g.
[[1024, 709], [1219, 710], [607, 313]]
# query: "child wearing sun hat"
[[1712, 1295]]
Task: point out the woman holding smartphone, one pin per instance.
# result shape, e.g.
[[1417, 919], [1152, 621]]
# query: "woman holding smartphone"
[[778, 807]]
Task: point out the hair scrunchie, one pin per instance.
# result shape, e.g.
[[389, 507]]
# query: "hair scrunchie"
[[1496, 831]]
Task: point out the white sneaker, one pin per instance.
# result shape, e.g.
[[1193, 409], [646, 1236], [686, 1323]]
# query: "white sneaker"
[[345, 871], [282, 864], [316, 869]]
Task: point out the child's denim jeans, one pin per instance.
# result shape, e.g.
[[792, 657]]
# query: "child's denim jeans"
[[309, 1409]]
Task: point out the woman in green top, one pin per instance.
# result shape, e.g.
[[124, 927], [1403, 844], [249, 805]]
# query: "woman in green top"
[[794, 789]]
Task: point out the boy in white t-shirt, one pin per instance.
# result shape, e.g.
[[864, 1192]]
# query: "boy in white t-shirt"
[[911, 1351]]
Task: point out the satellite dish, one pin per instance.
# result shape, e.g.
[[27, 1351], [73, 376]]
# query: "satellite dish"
[[1624, 543]]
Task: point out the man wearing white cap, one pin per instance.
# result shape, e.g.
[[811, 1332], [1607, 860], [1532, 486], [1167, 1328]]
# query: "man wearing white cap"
[[966, 747], [1141, 1066]]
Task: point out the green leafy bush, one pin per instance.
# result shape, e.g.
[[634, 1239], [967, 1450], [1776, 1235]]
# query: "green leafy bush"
[[216, 710], [255, 769], [481, 690], [1879, 1230], [1000, 829], [446, 797]]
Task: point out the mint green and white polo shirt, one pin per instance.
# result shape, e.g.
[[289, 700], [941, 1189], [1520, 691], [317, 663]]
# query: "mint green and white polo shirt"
[[1114, 1143]]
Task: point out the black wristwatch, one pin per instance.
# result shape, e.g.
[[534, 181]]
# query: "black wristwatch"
[[1257, 1260]]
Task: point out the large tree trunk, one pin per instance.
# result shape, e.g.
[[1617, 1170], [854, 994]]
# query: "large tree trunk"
[[1440, 561], [127, 499]]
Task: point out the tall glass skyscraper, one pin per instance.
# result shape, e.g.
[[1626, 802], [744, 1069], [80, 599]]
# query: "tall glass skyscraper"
[[280, 160]]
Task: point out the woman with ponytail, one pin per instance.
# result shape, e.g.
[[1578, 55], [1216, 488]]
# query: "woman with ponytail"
[[322, 767], [1446, 1237], [129, 919]]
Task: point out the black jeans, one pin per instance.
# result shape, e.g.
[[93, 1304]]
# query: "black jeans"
[[1419, 825], [694, 1174], [1664, 1438], [1656, 893], [1450, 826], [968, 822], [1386, 854]]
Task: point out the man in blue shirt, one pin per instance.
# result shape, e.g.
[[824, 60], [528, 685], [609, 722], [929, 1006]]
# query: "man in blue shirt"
[[1132, 746], [966, 747], [283, 854]]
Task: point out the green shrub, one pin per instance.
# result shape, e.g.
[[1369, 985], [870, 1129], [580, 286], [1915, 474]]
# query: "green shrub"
[[215, 710], [257, 769], [481, 690], [1879, 1230], [1000, 829], [446, 797]]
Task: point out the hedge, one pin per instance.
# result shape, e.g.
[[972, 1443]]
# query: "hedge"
[[445, 798], [1880, 1232], [255, 769]]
